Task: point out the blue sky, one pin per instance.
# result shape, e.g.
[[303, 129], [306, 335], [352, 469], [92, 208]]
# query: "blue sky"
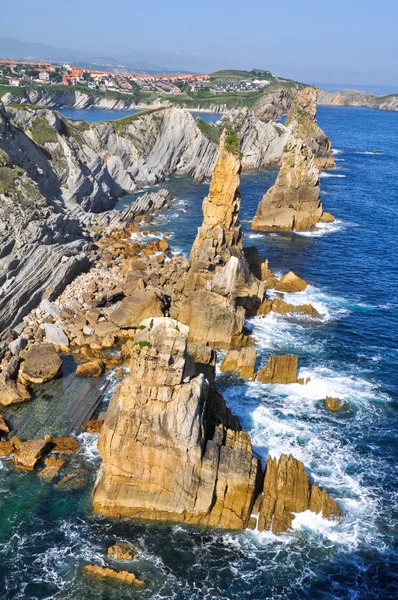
[[350, 41]]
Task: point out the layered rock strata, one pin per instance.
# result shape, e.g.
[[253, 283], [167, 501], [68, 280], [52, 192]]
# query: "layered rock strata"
[[171, 450], [293, 203], [302, 117], [220, 289]]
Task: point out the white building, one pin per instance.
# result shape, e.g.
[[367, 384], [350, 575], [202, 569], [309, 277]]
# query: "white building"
[[44, 76]]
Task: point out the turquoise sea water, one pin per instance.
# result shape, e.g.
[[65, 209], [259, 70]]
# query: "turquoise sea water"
[[47, 536]]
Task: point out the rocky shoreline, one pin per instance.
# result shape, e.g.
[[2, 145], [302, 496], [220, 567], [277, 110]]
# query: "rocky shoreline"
[[171, 449]]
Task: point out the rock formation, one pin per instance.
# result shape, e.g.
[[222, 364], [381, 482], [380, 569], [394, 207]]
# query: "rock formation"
[[171, 450], [358, 98], [55, 171], [243, 361], [123, 576], [220, 289], [287, 490], [302, 117], [293, 202], [279, 369], [281, 307], [290, 283]]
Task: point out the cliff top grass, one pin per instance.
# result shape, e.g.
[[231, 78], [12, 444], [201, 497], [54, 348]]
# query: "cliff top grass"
[[42, 132], [119, 125], [211, 131]]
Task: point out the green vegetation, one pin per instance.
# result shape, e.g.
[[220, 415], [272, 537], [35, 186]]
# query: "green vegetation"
[[4, 158], [232, 143], [119, 125], [143, 344], [210, 131], [237, 75], [42, 132]]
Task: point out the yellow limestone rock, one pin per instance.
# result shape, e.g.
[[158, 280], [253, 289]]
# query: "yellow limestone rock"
[[291, 283], [302, 117], [287, 490], [243, 361], [220, 289], [293, 202], [170, 448], [279, 369], [123, 576]]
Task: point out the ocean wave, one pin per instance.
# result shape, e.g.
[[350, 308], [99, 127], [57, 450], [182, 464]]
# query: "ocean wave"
[[323, 229], [326, 174]]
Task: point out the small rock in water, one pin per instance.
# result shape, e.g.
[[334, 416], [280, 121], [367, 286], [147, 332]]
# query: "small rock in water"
[[90, 369], [64, 445], [27, 454], [6, 448], [123, 576], [52, 466], [74, 481], [291, 283], [42, 363], [122, 551], [94, 425], [335, 404]]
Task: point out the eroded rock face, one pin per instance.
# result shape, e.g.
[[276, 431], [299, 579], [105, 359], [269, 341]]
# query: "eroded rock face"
[[279, 369], [281, 307], [123, 576], [293, 202], [27, 454], [243, 361], [302, 116], [172, 450], [220, 288], [165, 453], [287, 490]]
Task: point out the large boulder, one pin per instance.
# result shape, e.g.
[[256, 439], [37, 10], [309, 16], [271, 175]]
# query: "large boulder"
[[122, 551], [137, 307], [42, 363], [27, 454], [281, 307], [279, 369]]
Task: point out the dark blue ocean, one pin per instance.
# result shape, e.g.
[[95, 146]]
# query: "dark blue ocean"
[[351, 267]]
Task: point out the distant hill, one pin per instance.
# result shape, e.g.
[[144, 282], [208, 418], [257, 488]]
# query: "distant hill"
[[12, 48]]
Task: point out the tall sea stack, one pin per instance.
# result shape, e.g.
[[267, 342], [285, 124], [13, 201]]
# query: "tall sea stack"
[[172, 450], [220, 290]]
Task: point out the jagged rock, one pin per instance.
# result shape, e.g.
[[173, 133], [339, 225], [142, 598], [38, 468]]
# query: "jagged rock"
[[133, 309], [94, 368], [279, 369], [172, 450], [6, 448], [281, 307], [27, 454], [50, 309], [165, 454], [302, 118], [291, 283], [293, 202], [4, 428], [51, 469], [12, 392], [42, 363], [334, 404], [123, 576], [326, 218], [94, 426], [74, 481], [66, 445], [104, 329], [219, 288], [122, 551], [55, 335], [287, 490], [243, 361]]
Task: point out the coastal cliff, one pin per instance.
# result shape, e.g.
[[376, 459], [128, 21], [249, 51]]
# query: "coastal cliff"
[[357, 98], [172, 451], [55, 172]]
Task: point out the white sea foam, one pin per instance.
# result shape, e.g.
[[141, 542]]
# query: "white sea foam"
[[326, 174], [336, 151], [323, 229]]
